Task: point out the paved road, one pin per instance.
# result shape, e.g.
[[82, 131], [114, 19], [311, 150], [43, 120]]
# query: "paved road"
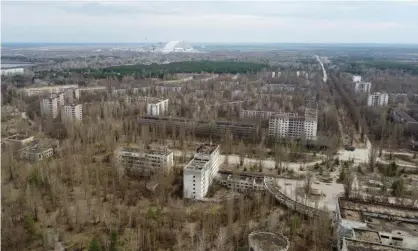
[[325, 77]]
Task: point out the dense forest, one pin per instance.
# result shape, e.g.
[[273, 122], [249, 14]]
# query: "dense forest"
[[358, 67], [160, 70]]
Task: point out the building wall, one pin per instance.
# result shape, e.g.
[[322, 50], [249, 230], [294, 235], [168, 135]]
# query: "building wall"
[[362, 87], [47, 89], [72, 112], [157, 109], [36, 156], [378, 99], [201, 180], [49, 107], [293, 127], [141, 160], [195, 183]]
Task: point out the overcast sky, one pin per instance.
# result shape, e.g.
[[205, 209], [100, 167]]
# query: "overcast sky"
[[210, 21]]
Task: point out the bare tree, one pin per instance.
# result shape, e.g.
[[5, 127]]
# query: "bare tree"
[[372, 157], [308, 183], [348, 182], [241, 152]]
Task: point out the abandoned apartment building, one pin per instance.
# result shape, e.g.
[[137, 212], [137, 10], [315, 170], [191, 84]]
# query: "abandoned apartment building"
[[138, 159], [368, 225]]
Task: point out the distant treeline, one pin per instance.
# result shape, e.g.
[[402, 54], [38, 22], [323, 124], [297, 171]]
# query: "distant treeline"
[[358, 67], [161, 70]]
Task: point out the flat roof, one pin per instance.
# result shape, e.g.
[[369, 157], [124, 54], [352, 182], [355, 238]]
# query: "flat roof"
[[206, 148], [197, 164], [367, 235], [17, 137], [353, 205], [357, 245], [404, 115], [397, 220]]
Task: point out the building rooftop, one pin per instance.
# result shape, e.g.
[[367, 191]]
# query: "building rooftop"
[[357, 245], [17, 137], [206, 149], [268, 241], [404, 116], [352, 209], [381, 217], [197, 164], [367, 235]]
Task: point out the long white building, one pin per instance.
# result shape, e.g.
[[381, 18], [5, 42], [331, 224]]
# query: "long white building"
[[199, 173], [47, 89], [157, 108], [138, 159], [72, 112], [293, 126], [378, 99]]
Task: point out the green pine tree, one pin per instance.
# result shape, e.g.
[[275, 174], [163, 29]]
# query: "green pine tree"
[[94, 245]]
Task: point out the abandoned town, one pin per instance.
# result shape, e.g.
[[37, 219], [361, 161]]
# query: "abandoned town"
[[183, 146]]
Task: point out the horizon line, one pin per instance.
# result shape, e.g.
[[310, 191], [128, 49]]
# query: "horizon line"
[[246, 43]]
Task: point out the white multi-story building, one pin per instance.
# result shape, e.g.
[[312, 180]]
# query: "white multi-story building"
[[49, 107], [72, 112], [157, 108], [362, 86], [199, 173], [47, 89], [138, 159], [378, 99], [356, 79], [293, 126]]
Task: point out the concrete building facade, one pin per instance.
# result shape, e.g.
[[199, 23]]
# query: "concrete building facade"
[[49, 107], [47, 90], [293, 126], [72, 94], [257, 114], [378, 99], [36, 153], [157, 108], [205, 128], [199, 173], [72, 112], [138, 159], [362, 87]]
